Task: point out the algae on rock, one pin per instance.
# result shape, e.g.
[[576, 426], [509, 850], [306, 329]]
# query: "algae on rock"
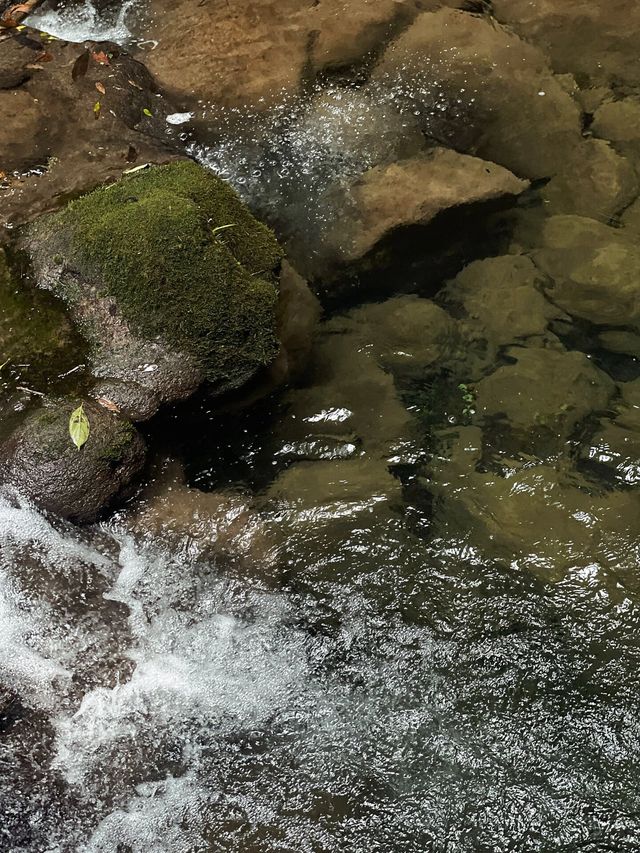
[[151, 252]]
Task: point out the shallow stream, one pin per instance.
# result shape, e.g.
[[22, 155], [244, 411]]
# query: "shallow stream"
[[393, 609]]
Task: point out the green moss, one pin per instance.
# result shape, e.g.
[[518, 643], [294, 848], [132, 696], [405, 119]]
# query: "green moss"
[[149, 242], [116, 449]]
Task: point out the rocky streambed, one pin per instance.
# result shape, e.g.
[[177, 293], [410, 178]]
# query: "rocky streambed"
[[347, 558]]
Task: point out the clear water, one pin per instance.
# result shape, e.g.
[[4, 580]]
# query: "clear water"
[[363, 616]]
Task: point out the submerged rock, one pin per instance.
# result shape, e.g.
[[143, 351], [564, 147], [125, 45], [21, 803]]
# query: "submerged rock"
[[593, 270], [171, 280], [503, 301], [595, 40], [543, 389], [41, 462]]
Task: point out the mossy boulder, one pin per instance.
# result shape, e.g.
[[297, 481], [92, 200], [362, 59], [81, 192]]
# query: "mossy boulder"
[[170, 278], [41, 462]]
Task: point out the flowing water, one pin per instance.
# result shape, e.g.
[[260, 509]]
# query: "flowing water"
[[384, 610]]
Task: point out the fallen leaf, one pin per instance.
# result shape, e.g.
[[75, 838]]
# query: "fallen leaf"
[[79, 427], [96, 109], [108, 404], [44, 56], [3, 176], [100, 57], [101, 89], [147, 112], [80, 66]]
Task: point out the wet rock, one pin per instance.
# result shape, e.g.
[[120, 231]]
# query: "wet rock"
[[37, 343], [344, 432], [596, 182], [171, 280], [41, 462], [60, 134], [595, 40], [619, 122], [298, 314], [206, 525], [321, 493], [615, 450], [254, 55], [481, 89], [538, 517], [241, 55], [544, 389], [413, 192], [620, 341], [594, 270], [503, 300]]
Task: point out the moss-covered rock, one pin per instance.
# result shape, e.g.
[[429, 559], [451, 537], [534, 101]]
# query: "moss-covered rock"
[[168, 255], [42, 463]]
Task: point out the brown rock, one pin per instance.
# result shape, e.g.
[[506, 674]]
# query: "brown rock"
[[415, 191], [60, 136], [596, 40]]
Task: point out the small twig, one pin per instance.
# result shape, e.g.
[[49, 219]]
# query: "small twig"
[[29, 390]]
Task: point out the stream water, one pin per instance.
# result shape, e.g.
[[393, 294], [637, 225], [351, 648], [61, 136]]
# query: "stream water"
[[380, 612]]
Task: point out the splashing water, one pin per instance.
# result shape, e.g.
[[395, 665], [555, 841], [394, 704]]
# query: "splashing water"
[[82, 23]]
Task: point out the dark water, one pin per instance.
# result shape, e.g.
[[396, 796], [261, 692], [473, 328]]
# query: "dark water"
[[394, 608]]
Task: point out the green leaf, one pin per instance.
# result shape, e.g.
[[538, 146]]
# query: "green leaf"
[[147, 112], [79, 428]]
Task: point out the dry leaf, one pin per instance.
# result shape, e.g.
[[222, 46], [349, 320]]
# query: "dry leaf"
[[100, 57], [108, 404], [101, 89], [80, 66], [44, 56]]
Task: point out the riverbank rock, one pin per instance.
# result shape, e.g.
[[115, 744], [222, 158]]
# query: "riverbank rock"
[[41, 462], [595, 40], [74, 116], [593, 270], [412, 192], [481, 89], [170, 279], [252, 55]]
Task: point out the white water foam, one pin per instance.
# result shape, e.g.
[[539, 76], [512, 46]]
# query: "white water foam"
[[85, 23]]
